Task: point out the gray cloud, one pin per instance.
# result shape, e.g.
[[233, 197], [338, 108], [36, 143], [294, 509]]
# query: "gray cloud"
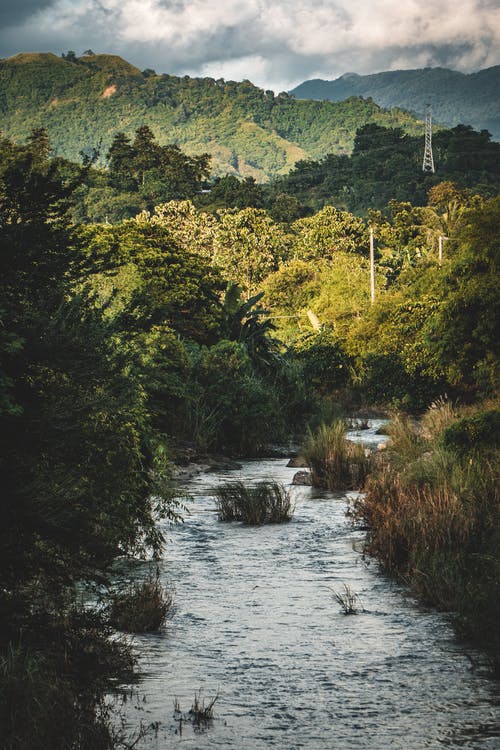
[[13, 13], [275, 44]]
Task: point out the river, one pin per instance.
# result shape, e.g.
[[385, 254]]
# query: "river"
[[255, 621]]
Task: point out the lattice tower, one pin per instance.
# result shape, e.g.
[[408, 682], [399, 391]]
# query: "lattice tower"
[[428, 163]]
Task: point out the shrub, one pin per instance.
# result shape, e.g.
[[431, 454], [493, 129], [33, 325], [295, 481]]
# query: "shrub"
[[230, 402], [266, 502], [335, 462], [386, 379], [142, 607], [481, 429]]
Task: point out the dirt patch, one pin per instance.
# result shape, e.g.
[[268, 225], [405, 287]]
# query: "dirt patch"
[[108, 91]]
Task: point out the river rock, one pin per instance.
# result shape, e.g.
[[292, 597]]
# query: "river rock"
[[303, 478], [297, 462]]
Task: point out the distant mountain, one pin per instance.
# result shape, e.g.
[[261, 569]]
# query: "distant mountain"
[[84, 102], [456, 98]]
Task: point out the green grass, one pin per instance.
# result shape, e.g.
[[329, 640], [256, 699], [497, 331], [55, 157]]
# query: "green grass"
[[335, 462], [265, 502]]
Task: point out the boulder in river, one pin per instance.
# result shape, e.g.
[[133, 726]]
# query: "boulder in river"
[[297, 462], [303, 478]]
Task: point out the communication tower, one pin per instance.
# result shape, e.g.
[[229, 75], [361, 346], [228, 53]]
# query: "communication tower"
[[428, 163]]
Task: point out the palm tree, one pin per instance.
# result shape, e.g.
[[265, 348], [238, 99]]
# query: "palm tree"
[[251, 326]]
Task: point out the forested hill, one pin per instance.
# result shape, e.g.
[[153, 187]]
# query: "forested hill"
[[84, 102], [456, 98]]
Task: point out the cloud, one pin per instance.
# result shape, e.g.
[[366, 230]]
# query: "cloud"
[[275, 44], [12, 13]]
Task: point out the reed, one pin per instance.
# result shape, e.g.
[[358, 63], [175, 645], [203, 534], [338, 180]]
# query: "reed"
[[440, 415], [347, 599], [202, 714], [265, 502], [335, 462], [142, 607], [433, 514]]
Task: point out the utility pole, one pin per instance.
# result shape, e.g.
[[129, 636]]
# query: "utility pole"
[[440, 251], [428, 163], [372, 268]]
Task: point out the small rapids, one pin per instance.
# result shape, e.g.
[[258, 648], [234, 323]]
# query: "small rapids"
[[255, 621]]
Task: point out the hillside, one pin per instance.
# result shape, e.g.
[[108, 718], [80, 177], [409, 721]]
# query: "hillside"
[[248, 131], [456, 98]]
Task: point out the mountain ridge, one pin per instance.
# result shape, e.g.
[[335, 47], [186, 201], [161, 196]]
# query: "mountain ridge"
[[456, 98], [84, 102]]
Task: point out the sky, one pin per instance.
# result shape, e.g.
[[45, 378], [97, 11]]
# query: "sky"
[[275, 44]]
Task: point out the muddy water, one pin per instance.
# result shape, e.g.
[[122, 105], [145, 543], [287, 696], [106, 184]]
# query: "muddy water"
[[255, 620]]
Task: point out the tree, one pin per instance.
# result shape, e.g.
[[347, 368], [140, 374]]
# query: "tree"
[[448, 202], [75, 437], [154, 280], [247, 246], [70, 56], [120, 158], [82, 469], [463, 336], [39, 144], [145, 153], [250, 325], [327, 232]]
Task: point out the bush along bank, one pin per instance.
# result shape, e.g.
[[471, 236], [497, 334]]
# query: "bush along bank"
[[433, 512]]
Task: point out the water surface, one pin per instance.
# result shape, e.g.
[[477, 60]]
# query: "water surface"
[[255, 620]]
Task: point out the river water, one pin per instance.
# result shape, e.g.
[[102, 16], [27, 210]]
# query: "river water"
[[255, 620]]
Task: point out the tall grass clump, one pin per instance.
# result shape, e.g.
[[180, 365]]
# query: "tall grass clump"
[[335, 462], [264, 502], [347, 599], [433, 510], [142, 607]]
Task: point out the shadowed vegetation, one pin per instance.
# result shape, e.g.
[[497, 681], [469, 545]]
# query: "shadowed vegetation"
[[142, 607]]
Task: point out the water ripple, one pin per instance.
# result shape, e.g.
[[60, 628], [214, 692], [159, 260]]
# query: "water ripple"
[[255, 620]]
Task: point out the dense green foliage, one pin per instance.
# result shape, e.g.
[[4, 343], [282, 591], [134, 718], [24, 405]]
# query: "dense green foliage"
[[85, 102], [82, 479], [384, 167], [386, 164], [456, 97]]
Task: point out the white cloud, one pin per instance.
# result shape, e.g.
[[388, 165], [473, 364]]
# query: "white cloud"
[[275, 44]]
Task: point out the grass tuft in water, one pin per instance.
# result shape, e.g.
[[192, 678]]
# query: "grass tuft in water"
[[142, 607], [348, 600], [265, 502], [335, 462], [200, 715]]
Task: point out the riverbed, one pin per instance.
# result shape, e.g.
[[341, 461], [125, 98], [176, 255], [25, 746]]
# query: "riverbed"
[[255, 622]]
